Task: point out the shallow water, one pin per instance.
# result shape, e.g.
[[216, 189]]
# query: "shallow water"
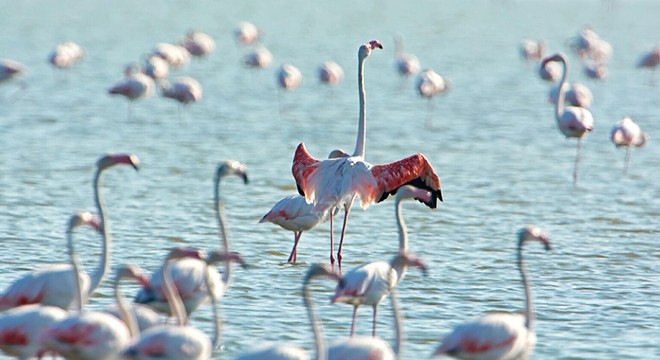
[[494, 143]]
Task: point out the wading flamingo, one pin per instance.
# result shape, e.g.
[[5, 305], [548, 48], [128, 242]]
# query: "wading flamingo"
[[176, 56], [21, 328], [649, 60], [499, 336], [179, 341], [573, 121], [143, 316], [406, 64], [430, 84], [134, 86], [92, 335], [156, 68], [289, 77], [369, 283], [532, 50], [626, 133], [334, 183], [183, 89], [246, 33], [576, 94], [331, 73], [66, 55], [198, 44], [258, 58], [9, 70], [189, 273], [549, 71], [54, 284]]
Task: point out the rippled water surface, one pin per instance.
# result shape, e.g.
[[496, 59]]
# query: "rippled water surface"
[[494, 143]]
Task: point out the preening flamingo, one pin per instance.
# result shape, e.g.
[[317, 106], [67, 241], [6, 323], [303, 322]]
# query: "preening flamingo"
[[573, 121], [406, 64], [134, 86], [532, 50], [331, 73], [246, 33], [54, 284], [335, 183], [176, 56], [189, 273], [289, 77], [92, 335], [177, 341], [198, 44], [369, 283], [430, 84], [66, 55], [626, 133], [21, 328], [499, 336], [576, 94]]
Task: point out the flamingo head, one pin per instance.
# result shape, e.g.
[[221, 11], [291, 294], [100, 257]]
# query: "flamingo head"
[[221, 256], [535, 233], [132, 272], [405, 258], [365, 49], [318, 270], [232, 167], [558, 57], [109, 160], [84, 218]]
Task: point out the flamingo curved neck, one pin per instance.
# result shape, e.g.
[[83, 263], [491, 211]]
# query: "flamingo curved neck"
[[104, 265], [561, 93], [75, 263], [177, 308], [217, 320], [403, 231], [127, 316], [223, 232], [319, 342], [529, 306], [362, 123]]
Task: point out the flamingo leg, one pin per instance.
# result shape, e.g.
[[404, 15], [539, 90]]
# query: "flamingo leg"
[[332, 240], [347, 208], [373, 332], [429, 111], [294, 252], [355, 307], [577, 162], [626, 161]]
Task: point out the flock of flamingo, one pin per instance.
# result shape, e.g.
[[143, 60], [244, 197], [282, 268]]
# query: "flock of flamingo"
[[43, 312]]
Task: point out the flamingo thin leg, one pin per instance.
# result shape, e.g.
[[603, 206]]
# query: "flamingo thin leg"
[[373, 332], [343, 232], [577, 162], [355, 307], [626, 161], [294, 252], [332, 240]]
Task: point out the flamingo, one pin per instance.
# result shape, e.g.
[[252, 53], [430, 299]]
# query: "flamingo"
[[595, 71], [649, 60], [183, 89], [532, 50], [589, 45], [335, 183], [406, 64], [53, 284], [140, 317], [134, 86], [549, 71], [430, 84], [331, 73], [289, 77], [179, 341], [189, 273], [247, 33], [21, 328], [198, 44], [573, 121], [9, 70], [95, 335], [369, 283], [576, 94], [156, 68], [258, 58], [66, 55], [499, 336], [176, 56], [626, 133]]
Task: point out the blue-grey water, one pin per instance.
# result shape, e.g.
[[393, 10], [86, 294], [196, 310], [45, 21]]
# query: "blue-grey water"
[[494, 143]]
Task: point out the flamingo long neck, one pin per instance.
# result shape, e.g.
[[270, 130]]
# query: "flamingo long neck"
[[403, 230], [177, 308], [362, 123], [104, 265], [217, 320], [319, 342], [75, 263], [226, 276], [398, 327], [125, 314], [561, 93], [529, 306]]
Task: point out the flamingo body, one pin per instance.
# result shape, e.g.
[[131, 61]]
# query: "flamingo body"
[[10, 69], [246, 33], [549, 71], [21, 329], [576, 94], [134, 86], [170, 342], [183, 89], [496, 336], [361, 348], [156, 67], [258, 58], [198, 44], [145, 316], [274, 352], [66, 55], [88, 335], [176, 55], [627, 133], [331, 73], [430, 83], [532, 50], [650, 59], [406, 64], [289, 77]]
